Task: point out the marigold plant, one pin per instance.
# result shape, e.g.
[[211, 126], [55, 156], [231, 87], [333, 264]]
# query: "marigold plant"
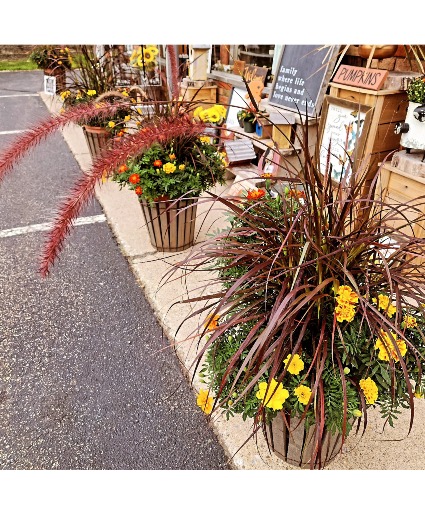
[[320, 295]]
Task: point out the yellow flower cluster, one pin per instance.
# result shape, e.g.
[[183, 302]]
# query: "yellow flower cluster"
[[169, 168], [346, 300], [214, 114], [385, 346], [409, 322], [144, 55], [276, 394], [296, 364], [204, 401], [303, 394], [370, 390], [384, 304]]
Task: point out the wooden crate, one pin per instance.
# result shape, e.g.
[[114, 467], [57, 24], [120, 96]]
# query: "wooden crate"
[[206, 94]]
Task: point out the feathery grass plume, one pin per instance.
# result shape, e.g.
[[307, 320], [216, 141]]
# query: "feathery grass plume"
[[22, 144], [300, 274], [174, 71], [130, 146]]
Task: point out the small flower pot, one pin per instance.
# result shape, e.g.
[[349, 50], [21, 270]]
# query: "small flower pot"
[[296, 446], [97, 139], [240, 121], [171, 223], [249, 126]]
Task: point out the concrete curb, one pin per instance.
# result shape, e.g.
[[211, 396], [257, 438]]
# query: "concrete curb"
[[375, 450]]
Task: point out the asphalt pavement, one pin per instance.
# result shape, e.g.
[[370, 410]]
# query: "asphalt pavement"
[[87, 377]]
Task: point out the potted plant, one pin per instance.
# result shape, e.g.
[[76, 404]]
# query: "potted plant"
[[167, 179], [214, 116], [94, 80], [168, 128], [54, 61], [320, 313], [249, 120]]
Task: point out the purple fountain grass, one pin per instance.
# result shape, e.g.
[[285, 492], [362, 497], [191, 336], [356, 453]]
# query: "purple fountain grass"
[[132, 145], [82, 114]]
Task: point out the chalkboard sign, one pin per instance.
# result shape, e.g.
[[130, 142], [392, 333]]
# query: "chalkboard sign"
[[302, 76]]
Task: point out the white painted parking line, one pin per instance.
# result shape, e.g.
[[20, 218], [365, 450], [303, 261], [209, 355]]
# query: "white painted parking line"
[[20, 95], [12, 132], [16, 231]]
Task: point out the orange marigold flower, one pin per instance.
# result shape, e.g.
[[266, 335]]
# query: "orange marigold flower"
[[122, 168], [138, 190], [266, 175], [134, 178], [212, 322], [157, 163], [172, 157], [255, 194]]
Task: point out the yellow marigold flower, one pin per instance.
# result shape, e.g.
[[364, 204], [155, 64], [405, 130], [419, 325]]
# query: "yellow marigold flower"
[[345, 312], [418, 394], [204, 139], [370, 390], [213, 115], [385, 305], [391, 310], [303, 394], [276, 395], [374, 300], [197, 111], [152, 49], [111, 124], [409, 322], [386, 346], [346, 294], [65, 94], [124, 93], [204, 401], [212, 322], [127, 118], [91, 92], [182, 167], [169, 168], [296, 365]]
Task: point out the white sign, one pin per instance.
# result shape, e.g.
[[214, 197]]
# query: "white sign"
[[341, 132], [50, 84]]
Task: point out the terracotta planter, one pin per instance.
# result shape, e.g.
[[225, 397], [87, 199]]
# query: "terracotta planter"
[[296, 446], [171, 227], [60, 74], [97, 139], [380, 52]]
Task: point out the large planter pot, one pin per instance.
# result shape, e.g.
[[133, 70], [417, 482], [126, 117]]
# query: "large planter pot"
[[170, 223], [97, 139], [297, 445], [60, 75]]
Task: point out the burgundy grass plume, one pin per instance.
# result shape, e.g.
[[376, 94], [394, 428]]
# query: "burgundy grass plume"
[[81, 114], [174, 71], [130, 146]]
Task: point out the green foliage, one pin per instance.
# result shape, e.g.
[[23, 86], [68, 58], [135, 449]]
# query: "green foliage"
[[416, 90], [186, 166], [17, 65], [47, 56]]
